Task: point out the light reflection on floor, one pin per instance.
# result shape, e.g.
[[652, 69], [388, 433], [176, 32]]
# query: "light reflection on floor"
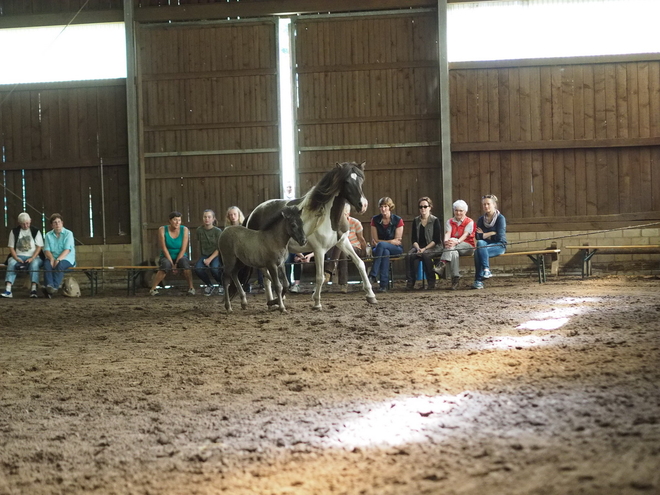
[[396, 422]]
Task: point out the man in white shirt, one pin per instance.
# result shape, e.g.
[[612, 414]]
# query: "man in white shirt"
[[25, 248]]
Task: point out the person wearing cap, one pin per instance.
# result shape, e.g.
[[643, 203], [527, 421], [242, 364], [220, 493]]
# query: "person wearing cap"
[[25, 253], [458, 241]]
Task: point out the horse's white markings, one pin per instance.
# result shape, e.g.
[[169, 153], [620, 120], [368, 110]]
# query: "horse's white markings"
[[353, 176]]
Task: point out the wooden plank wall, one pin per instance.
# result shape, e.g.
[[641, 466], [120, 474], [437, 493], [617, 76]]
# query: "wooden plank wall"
[[66, 141], [368, 90], [561, 146], [209, 120]]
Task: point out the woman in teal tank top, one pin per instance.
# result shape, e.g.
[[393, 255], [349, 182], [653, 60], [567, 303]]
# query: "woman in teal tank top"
[[173, 240]]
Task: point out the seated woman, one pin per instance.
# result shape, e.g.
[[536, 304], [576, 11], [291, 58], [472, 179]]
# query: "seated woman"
[[25, 245], [60, 252], [234, 216], [295, 260], [209, 262], [426, 235], [458, 241], [491, 239], [386, 239], [173, 240]]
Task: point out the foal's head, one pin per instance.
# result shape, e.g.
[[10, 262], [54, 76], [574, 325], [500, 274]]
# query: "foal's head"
[[294, 224]]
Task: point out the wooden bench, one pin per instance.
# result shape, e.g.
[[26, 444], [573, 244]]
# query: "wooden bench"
[[92, 274], [589, 252]]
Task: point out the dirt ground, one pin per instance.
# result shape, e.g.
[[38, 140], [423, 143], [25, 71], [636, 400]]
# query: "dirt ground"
[[442, 392]]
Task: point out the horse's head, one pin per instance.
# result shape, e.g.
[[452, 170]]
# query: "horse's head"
[[351, 190], [294, 224]]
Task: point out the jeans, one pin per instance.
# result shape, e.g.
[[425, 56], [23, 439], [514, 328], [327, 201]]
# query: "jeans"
[[54, 276], [215, 269], [482, 256], [381, 254], [34, 268], [297, 268]]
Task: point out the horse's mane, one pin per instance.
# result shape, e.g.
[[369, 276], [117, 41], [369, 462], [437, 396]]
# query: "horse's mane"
[[272, 220], [329, 186]]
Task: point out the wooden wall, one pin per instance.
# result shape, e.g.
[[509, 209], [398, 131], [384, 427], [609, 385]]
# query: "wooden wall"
[[560, 145], [209, 129], [66, 141], [368, 90]]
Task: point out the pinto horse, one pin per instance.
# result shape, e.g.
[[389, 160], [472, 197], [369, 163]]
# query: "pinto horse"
[[322, 214]]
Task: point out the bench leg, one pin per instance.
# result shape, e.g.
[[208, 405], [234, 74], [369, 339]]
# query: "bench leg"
[[93, 277], [539, 261], [586, 262]]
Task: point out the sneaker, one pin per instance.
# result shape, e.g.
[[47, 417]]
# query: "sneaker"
[[154, 292], [478, 284], [327, 276], [221, 290], [487, 273], [454, 283], [191, 292], [33, 294], [208, 290], [440, 269], [343, 288], [51, 290], [46, 293], [295, 289], [410, 285], [373, 280], [7, 293]]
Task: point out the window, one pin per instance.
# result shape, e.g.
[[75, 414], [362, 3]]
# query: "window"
[[63, 53], [507, 30]]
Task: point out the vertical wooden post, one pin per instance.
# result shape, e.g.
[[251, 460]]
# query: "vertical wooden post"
[[134, 180], [445, 136]]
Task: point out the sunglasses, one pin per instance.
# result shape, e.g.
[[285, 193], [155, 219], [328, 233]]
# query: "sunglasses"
[[423, 206]]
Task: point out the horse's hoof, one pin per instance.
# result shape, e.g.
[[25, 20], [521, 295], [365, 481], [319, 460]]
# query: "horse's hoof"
[[243, 306], [372, 300], [272, 302], [283, 310], [317, 307], [229, 311]]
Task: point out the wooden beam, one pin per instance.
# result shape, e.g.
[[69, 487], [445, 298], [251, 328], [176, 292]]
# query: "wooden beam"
[[110, 161], [557, 144], [60, 19], [62, 85], [268, 8], [446, 181], [133, 129], [544, 62]]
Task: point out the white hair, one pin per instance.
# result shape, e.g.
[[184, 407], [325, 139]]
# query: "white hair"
[[23, 217], [460, 205]]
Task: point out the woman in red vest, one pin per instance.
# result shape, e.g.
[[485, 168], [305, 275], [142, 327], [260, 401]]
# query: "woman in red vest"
[[459, 241]]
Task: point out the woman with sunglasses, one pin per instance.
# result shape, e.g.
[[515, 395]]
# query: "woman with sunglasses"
[[491, 239], [426, 243]]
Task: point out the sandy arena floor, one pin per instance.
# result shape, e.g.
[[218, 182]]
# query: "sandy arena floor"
[[437, 392]]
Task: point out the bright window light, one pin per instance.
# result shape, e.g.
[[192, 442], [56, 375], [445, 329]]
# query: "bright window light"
[[551, 28], [63, 53]]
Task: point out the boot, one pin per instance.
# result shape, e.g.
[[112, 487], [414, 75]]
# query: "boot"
[[454, 282]]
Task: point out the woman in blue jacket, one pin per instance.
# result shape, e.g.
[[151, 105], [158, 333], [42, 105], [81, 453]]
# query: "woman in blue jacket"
[[491, 239]]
